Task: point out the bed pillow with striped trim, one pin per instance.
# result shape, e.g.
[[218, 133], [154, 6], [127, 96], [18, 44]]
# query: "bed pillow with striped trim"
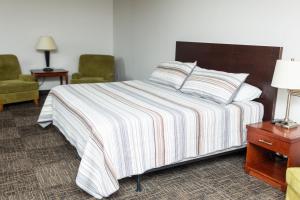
[[172, 73], [218, 86]]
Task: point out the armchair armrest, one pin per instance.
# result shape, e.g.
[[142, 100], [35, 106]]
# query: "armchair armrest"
[[110, 76], [27, 77], [76, 76]]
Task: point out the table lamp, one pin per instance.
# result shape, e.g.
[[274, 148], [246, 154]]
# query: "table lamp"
[[46, 44], [286, 76]]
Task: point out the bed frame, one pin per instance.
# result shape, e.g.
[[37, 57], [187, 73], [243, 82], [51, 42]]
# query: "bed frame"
[[258, 61]]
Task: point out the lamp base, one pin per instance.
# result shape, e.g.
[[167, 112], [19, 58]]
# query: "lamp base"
[[47, 69], [287, 124]]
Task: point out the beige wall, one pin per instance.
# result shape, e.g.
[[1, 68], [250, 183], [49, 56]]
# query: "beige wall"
[[123, 41], [155, 26], [142, 33], [78, 26]]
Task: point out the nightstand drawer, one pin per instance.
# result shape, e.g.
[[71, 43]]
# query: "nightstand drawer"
[[267, 142]]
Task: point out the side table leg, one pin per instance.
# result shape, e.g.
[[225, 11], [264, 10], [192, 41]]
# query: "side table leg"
[[61, 80], [67, 79]]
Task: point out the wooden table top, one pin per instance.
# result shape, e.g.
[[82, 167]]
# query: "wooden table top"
[[40, 71], [290, 135]]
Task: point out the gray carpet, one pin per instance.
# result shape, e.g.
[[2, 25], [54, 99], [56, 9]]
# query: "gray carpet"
[[39, 164]]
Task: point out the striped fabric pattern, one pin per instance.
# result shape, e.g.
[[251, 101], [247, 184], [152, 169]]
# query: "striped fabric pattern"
[[172, 73], [214, 85], [123, 129]]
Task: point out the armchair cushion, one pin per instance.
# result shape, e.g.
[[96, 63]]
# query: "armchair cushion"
[[88, 80], [110, 77], [14, 86], [26, 77]]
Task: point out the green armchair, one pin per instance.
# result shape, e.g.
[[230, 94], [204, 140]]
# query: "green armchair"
[[15, 87], [293, 182], [95, 69]]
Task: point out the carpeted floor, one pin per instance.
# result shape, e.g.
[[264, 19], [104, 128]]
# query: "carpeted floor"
[[39, 164]]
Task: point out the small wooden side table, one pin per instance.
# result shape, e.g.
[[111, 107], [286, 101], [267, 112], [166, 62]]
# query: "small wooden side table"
[[61, 73], [265, 142]]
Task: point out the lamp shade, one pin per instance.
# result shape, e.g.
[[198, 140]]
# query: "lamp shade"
[[286, 75], [46, 43]]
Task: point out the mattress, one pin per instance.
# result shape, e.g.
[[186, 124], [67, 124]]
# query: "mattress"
[[127, 128]]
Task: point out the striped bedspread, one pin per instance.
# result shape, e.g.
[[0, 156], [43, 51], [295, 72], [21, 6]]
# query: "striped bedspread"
[[126, 128]]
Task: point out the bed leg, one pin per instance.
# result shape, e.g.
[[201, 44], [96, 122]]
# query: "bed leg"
[[138, 183]]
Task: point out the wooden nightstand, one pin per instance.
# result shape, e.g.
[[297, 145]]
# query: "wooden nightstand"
[[264, 141]]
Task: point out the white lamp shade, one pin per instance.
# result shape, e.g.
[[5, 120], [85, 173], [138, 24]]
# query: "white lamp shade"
[[287, 75], [46, 43]]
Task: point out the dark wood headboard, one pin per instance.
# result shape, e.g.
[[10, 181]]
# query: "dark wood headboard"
[[258, 61]]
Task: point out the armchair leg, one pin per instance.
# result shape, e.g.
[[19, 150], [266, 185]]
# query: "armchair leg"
[[36, 102]]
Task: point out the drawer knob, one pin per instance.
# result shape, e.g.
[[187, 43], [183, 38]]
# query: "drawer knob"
[[265, 142]]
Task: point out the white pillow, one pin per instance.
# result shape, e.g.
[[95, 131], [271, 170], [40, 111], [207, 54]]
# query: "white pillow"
[[218, 86], [172, 73], [247, 92]]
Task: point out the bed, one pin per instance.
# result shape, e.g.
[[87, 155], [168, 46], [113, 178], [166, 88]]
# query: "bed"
[[129, 128]]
